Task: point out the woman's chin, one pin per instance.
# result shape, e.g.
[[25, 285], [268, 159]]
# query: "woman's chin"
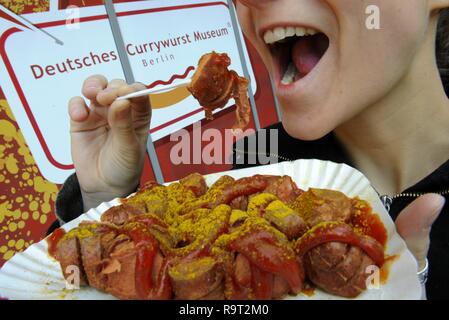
[[303, 128]]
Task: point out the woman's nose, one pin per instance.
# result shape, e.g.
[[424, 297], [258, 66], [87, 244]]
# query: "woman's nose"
[[254, 3]]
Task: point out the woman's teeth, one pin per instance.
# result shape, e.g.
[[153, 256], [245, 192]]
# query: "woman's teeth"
[[290, 74], [280, 33]]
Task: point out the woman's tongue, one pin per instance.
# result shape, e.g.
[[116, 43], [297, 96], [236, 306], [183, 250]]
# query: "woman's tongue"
[[305, 56]]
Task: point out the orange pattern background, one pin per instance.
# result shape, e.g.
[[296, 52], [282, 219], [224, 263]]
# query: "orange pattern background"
[[26, 198]]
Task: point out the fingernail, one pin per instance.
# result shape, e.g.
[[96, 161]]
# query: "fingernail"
[[92, 84]]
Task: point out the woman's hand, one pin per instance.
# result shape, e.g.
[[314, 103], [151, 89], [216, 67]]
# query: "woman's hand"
[[108, 139], [415, 222]]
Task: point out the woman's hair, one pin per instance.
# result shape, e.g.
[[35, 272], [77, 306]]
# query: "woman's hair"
[[442, 48]]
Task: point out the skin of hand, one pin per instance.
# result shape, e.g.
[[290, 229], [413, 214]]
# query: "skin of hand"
[[414, 224], [108, 139]]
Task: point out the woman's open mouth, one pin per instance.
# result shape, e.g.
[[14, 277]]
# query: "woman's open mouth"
[[296, 51]]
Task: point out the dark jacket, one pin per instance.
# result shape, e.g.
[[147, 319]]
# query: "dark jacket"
[[69, 201]]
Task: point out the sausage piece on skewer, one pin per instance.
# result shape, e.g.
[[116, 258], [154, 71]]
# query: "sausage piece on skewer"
[[213, 84]]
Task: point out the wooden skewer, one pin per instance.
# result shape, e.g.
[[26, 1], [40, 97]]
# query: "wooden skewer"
[[146, 92]]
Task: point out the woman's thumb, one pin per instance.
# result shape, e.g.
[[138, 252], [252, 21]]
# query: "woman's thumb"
[[415, 222]]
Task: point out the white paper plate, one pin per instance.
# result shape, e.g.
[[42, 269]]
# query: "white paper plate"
[[33, 274]]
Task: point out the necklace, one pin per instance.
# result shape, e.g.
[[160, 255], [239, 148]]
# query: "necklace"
[[388, 200]]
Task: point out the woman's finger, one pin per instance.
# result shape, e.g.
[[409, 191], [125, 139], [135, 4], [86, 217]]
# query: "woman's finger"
[[107, 96], [415, 221], [92, 85], [81, 117], [78, 110], [117, 83]]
